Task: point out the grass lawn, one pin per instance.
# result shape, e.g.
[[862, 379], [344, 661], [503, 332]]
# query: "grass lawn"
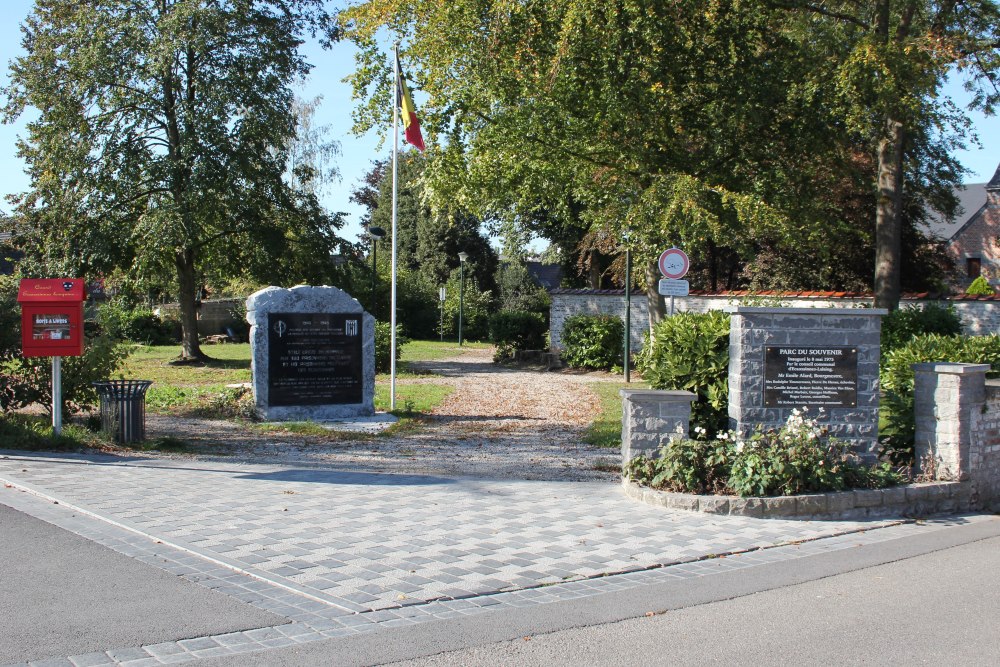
[[606, 431], [201, 388]]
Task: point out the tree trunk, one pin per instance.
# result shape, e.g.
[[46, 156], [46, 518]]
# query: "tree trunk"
[[888, 219], [657, 307], [187, 290]]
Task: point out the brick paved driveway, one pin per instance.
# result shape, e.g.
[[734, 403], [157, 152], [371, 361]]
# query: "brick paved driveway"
[[362, 541]]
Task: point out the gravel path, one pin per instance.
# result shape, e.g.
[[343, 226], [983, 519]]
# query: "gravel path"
[[501, 422]]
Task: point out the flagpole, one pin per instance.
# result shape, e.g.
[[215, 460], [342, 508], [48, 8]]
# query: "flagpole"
[[395, 151]]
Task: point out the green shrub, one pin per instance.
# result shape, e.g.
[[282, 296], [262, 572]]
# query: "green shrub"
[[593, 341], [690, 352], [980, 287], [136, 324], [896, 379], [686, 466], [383, 345], [512, 331], [518, 291], [901, 326], [27, 380], [798, 458]]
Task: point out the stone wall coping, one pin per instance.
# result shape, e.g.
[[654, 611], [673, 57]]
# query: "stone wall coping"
[[950, 368], [840, 312], [911, 500], [670, 395]]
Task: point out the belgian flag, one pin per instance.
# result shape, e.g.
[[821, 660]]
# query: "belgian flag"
[[410, 123]]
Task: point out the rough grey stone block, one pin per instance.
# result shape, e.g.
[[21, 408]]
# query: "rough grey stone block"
[[779, 506], [867, 497], [808, 505], [683, 501], [752, 507], [266, 304], [714, 504]]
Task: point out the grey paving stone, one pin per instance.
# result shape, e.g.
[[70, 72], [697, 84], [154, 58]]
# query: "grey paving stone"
[[126, 654], [459, 540], [91, 659]]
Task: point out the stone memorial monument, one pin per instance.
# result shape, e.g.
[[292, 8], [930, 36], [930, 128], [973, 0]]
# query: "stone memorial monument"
[[822, 359], [313, 354]]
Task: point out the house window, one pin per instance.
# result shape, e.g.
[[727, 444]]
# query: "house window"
[[973, 267]]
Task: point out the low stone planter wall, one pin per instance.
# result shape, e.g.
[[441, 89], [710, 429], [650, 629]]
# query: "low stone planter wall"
[[912, 500]]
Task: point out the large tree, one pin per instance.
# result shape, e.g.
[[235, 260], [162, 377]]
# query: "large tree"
[[429, 240], [682, 122], [729, 127], [888, 62], [162, 139]]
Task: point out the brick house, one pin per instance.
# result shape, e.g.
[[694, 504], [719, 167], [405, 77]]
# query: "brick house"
[[972, 236]]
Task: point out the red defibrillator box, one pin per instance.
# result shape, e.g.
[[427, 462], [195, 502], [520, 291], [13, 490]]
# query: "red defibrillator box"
[[52, 317]]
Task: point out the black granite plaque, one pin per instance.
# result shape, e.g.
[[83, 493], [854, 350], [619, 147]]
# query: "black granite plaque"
[[796, 377], [314, 359]]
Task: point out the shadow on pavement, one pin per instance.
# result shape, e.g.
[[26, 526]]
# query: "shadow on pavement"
[[347, 478]]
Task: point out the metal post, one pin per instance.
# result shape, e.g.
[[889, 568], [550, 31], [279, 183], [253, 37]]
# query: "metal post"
[[395, 236], [671, 305], [56, 395], [461, 301], [441, 297], [374, 272], [628, 307]]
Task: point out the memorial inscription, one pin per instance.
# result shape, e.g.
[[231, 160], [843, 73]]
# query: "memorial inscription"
[[314, 359], [810, 376]]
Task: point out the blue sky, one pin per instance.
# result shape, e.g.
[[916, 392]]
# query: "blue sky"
[[357, 153]]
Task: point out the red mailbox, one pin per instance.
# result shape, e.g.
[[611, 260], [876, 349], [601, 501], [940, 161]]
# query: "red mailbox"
[[52, 317]]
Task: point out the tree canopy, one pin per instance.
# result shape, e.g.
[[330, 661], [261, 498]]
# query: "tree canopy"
[[731, 127], [163, 139]]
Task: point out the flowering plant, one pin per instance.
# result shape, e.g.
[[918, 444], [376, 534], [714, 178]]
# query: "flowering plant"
[[798, 458]]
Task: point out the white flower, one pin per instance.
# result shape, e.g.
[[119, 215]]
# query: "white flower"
[[739, 446]]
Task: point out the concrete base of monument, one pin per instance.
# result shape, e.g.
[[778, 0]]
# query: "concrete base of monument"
[[374, 424]]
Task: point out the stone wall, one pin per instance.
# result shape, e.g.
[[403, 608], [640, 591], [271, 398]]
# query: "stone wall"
[[214, 317], [980, 315], [650, 419], [958, 428]]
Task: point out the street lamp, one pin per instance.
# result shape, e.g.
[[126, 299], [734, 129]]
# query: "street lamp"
[[462, 256], [374, 233], [442, 293], [628, 304]]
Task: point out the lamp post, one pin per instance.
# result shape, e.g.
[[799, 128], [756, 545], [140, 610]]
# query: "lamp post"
[[374, 233], [628, 305], [462, 256], [442, 293]]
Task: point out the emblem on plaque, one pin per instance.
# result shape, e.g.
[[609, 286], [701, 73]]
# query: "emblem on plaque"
[[280, 328]]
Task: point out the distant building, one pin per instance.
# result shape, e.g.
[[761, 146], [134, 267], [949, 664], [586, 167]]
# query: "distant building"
[[972, 236]]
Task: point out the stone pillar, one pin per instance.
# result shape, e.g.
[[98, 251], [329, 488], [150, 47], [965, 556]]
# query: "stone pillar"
[[947, 398], [822, 359], [651, 418]]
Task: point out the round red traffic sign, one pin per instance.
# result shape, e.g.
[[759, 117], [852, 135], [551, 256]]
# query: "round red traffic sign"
[[674, 263]]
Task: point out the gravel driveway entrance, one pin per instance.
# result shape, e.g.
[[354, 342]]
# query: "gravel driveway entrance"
[[501, 422]]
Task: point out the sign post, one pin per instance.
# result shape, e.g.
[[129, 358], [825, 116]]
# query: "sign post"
[[52, 326], [674, 265]]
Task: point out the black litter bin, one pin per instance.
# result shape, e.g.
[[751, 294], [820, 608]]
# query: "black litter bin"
[[123, 408]]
